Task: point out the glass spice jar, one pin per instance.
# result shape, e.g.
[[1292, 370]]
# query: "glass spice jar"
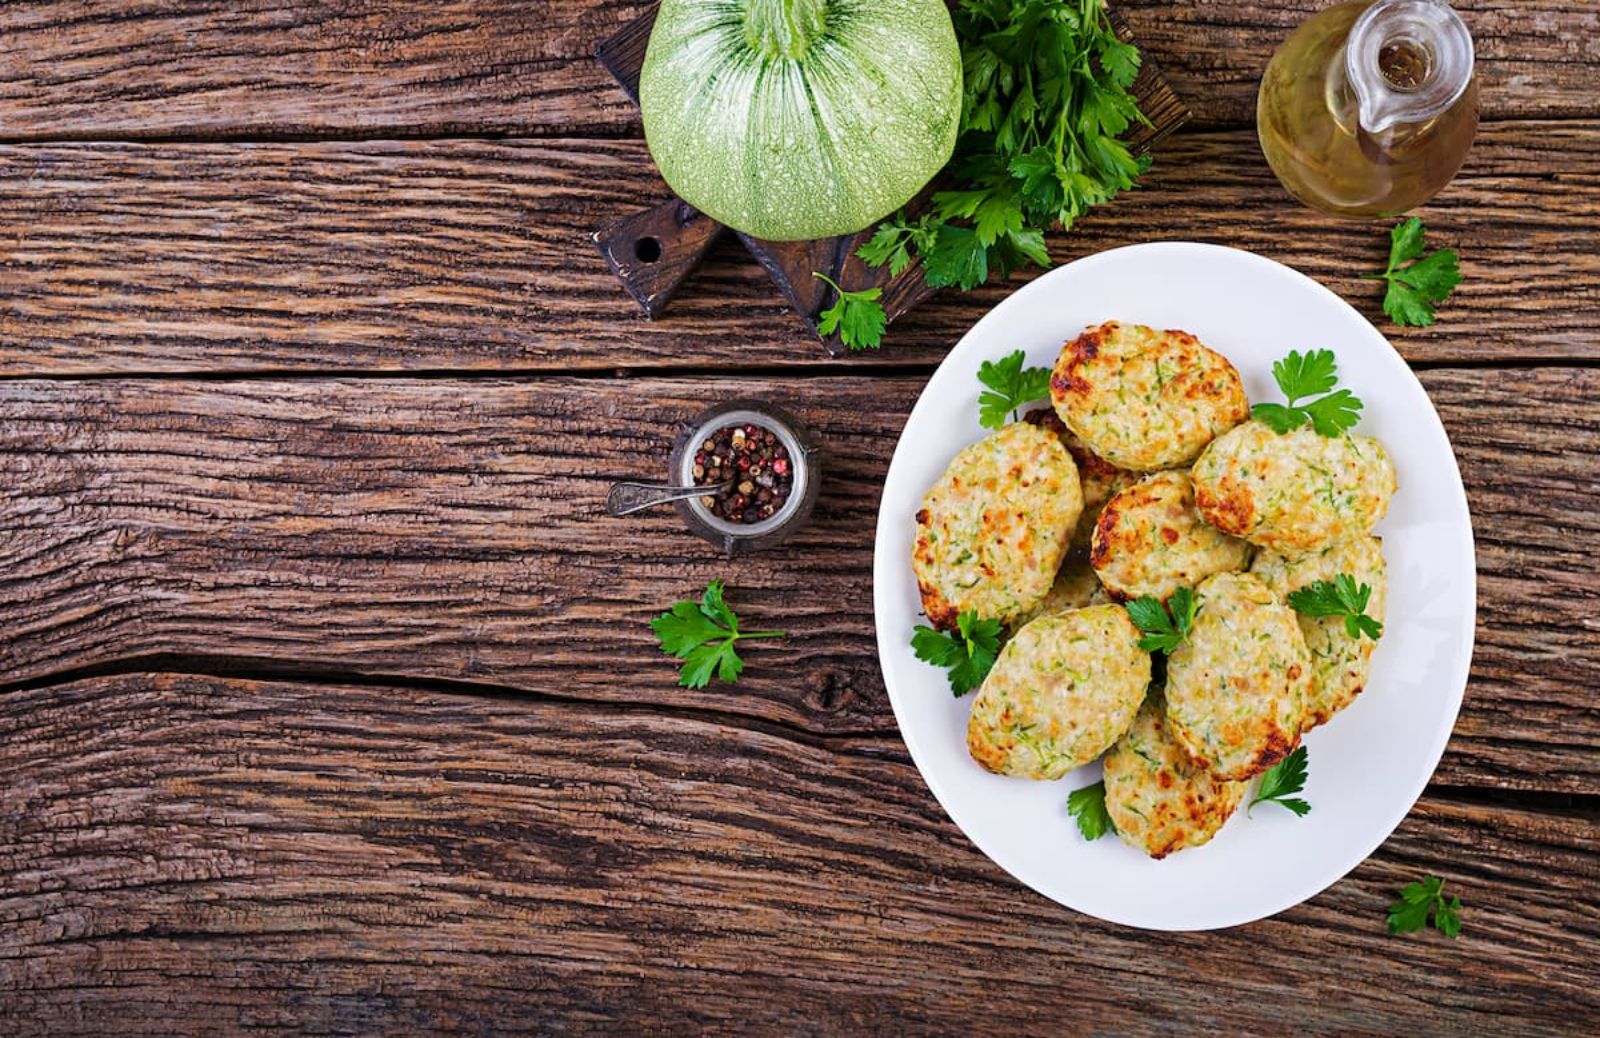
[[755, 509]]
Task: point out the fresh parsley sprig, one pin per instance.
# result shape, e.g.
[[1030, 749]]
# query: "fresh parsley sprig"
[[968, 653], [1415, 288], [1417, 901], [1088, 807], [1341, 596], [1307, 375], [1284, 778], [892, 243], [857, 316], [703, 637], [1166, 626], [1010, 386], [1046, 97]]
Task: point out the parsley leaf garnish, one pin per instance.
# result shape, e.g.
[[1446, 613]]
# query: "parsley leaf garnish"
[[1304, 375], [894, 239], [703, 636], [1417, 900], [1416, 287], [1088, 806], [1163, 630], [1045, 97], [1010, 386], [958, 258], [857, 316], [1283, 778], [967, 654], [1340, 596]]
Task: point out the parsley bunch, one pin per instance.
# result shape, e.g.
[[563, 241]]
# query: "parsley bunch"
[[1046, 97], [703, 636], [1422, 282], [1010, 385], [967, 654], [1305, 375], [1340, 596], [1420, 898], [1282, 779]]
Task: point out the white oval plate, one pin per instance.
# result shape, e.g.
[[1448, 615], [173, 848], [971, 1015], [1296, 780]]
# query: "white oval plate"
[[1368, 765]]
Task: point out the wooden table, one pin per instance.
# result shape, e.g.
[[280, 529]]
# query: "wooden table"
[[329, 700]]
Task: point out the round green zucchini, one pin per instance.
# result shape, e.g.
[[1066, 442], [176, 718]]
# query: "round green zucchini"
[[796, 119]]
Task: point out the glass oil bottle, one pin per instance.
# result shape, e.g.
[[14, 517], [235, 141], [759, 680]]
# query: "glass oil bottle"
[[1368, 109]]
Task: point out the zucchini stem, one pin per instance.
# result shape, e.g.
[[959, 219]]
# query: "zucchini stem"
[[784, 28]]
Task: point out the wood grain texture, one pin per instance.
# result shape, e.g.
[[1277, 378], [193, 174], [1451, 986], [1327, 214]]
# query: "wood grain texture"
[[475, 255], [452, 530], [473, 799], [189, 856], [84, 69]]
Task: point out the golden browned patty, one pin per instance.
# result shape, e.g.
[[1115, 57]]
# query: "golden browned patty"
[[1099, 477], [1296, 491], [1339, 663], [1160, 800], [1064, 688], [1236, 689], [993, 530], [1144, 399], [1150, 540]]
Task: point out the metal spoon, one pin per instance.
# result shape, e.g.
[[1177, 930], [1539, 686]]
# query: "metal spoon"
[[628, 498]]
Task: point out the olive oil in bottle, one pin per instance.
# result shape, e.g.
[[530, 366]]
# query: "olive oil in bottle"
[[1368, 109]]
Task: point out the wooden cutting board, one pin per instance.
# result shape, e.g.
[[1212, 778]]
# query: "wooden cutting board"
[[653, 250]]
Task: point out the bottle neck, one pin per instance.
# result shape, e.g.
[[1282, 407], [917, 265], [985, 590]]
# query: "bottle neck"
[[1408, 61]]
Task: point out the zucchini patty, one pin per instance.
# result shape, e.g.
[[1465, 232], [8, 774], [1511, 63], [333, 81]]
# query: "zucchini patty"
[[1150, 540], [1160, 800], [1064, 688], [1297, 491], [1339, 663], [992, 532], [1236, 689], [1144, 399]]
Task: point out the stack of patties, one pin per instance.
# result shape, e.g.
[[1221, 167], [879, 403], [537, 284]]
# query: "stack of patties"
[[1150, 477]]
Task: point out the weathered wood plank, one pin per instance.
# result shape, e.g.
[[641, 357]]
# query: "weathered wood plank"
[[215, 68], [453, 530], [455, 255], [187, 855], [83, 69]]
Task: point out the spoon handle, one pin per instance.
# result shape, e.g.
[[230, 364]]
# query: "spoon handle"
[[628, 498]]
